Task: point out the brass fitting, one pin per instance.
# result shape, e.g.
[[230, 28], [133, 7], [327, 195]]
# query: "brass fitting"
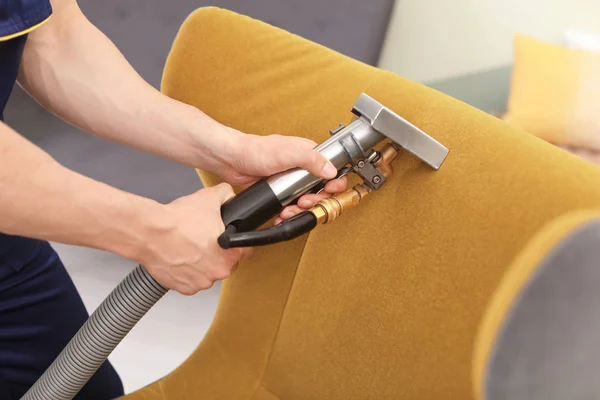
[[330, 208], [388, 154]]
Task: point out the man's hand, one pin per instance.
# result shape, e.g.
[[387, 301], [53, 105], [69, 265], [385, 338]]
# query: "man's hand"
[[184, 254], [251, 157], [176, 242]]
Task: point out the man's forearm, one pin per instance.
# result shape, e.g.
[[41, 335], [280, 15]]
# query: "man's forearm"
[[40, 198], [76, 72]]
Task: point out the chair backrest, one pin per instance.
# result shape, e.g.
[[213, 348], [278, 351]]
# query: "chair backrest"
[[539, 337], [384, 303]]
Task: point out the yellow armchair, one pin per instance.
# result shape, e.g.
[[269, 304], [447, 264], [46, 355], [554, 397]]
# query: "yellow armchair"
[[386, 302]]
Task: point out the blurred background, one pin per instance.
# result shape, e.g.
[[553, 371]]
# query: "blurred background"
[[464, 48]]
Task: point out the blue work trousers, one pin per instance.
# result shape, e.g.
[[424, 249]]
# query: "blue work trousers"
[[40, 310]]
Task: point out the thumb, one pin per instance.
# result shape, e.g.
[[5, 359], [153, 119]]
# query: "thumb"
[[304, 155], [224, 192], [318, 165]]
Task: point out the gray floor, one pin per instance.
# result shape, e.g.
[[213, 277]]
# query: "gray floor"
[[144, 30]]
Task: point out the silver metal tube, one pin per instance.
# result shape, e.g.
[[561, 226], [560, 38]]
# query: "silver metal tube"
[[292, 184]]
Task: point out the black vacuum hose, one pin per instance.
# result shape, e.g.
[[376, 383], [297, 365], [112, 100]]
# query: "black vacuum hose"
[[292, 228]]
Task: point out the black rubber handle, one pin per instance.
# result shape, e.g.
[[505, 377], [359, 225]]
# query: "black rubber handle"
[[251, 208], [287, 230]]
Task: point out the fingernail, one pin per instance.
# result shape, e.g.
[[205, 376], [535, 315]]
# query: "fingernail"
[[287, 214], [329, 170], [305, 203]]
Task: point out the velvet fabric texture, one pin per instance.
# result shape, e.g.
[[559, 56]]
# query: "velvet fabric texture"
[[384, 303]]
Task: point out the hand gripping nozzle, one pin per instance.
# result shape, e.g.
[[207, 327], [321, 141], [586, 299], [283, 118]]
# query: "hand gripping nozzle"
[[350, 148]]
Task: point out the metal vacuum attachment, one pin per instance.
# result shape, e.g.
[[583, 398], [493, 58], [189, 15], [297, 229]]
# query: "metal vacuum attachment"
[[351, 148]]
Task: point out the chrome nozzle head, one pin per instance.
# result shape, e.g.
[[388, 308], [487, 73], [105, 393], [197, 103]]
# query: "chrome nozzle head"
[[400, 131]]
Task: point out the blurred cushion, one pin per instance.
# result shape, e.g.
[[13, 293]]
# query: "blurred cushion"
[[555, 93], [538, 339]]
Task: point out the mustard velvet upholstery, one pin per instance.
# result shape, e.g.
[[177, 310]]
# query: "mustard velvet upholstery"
[[518, 275], [385, 303]]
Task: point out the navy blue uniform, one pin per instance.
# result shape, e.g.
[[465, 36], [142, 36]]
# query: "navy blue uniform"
[[40, 309]]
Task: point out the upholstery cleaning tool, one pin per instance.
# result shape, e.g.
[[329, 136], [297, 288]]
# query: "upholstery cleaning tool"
[[366, 147]]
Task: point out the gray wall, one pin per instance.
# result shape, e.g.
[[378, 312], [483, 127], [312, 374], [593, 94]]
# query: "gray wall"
[[486, 90], [144, 30]]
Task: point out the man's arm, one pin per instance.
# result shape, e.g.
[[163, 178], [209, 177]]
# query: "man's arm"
[[76, 72], [176, 242], [40, 198]]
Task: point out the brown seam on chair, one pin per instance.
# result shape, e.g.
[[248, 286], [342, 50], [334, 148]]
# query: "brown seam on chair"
[[259, 384], [268, 390]]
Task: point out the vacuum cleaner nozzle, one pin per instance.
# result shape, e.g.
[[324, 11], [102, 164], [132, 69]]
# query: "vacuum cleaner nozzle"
[[350, 148]]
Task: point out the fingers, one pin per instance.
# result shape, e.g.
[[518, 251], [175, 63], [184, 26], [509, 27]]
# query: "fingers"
[[192, 279], [300, 152], [309, 200], [336, 185], [249, 183], [243, 254], [247, 253], [224, 192], [290, 211], [332, 187], [187, 281], [318, 165]]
